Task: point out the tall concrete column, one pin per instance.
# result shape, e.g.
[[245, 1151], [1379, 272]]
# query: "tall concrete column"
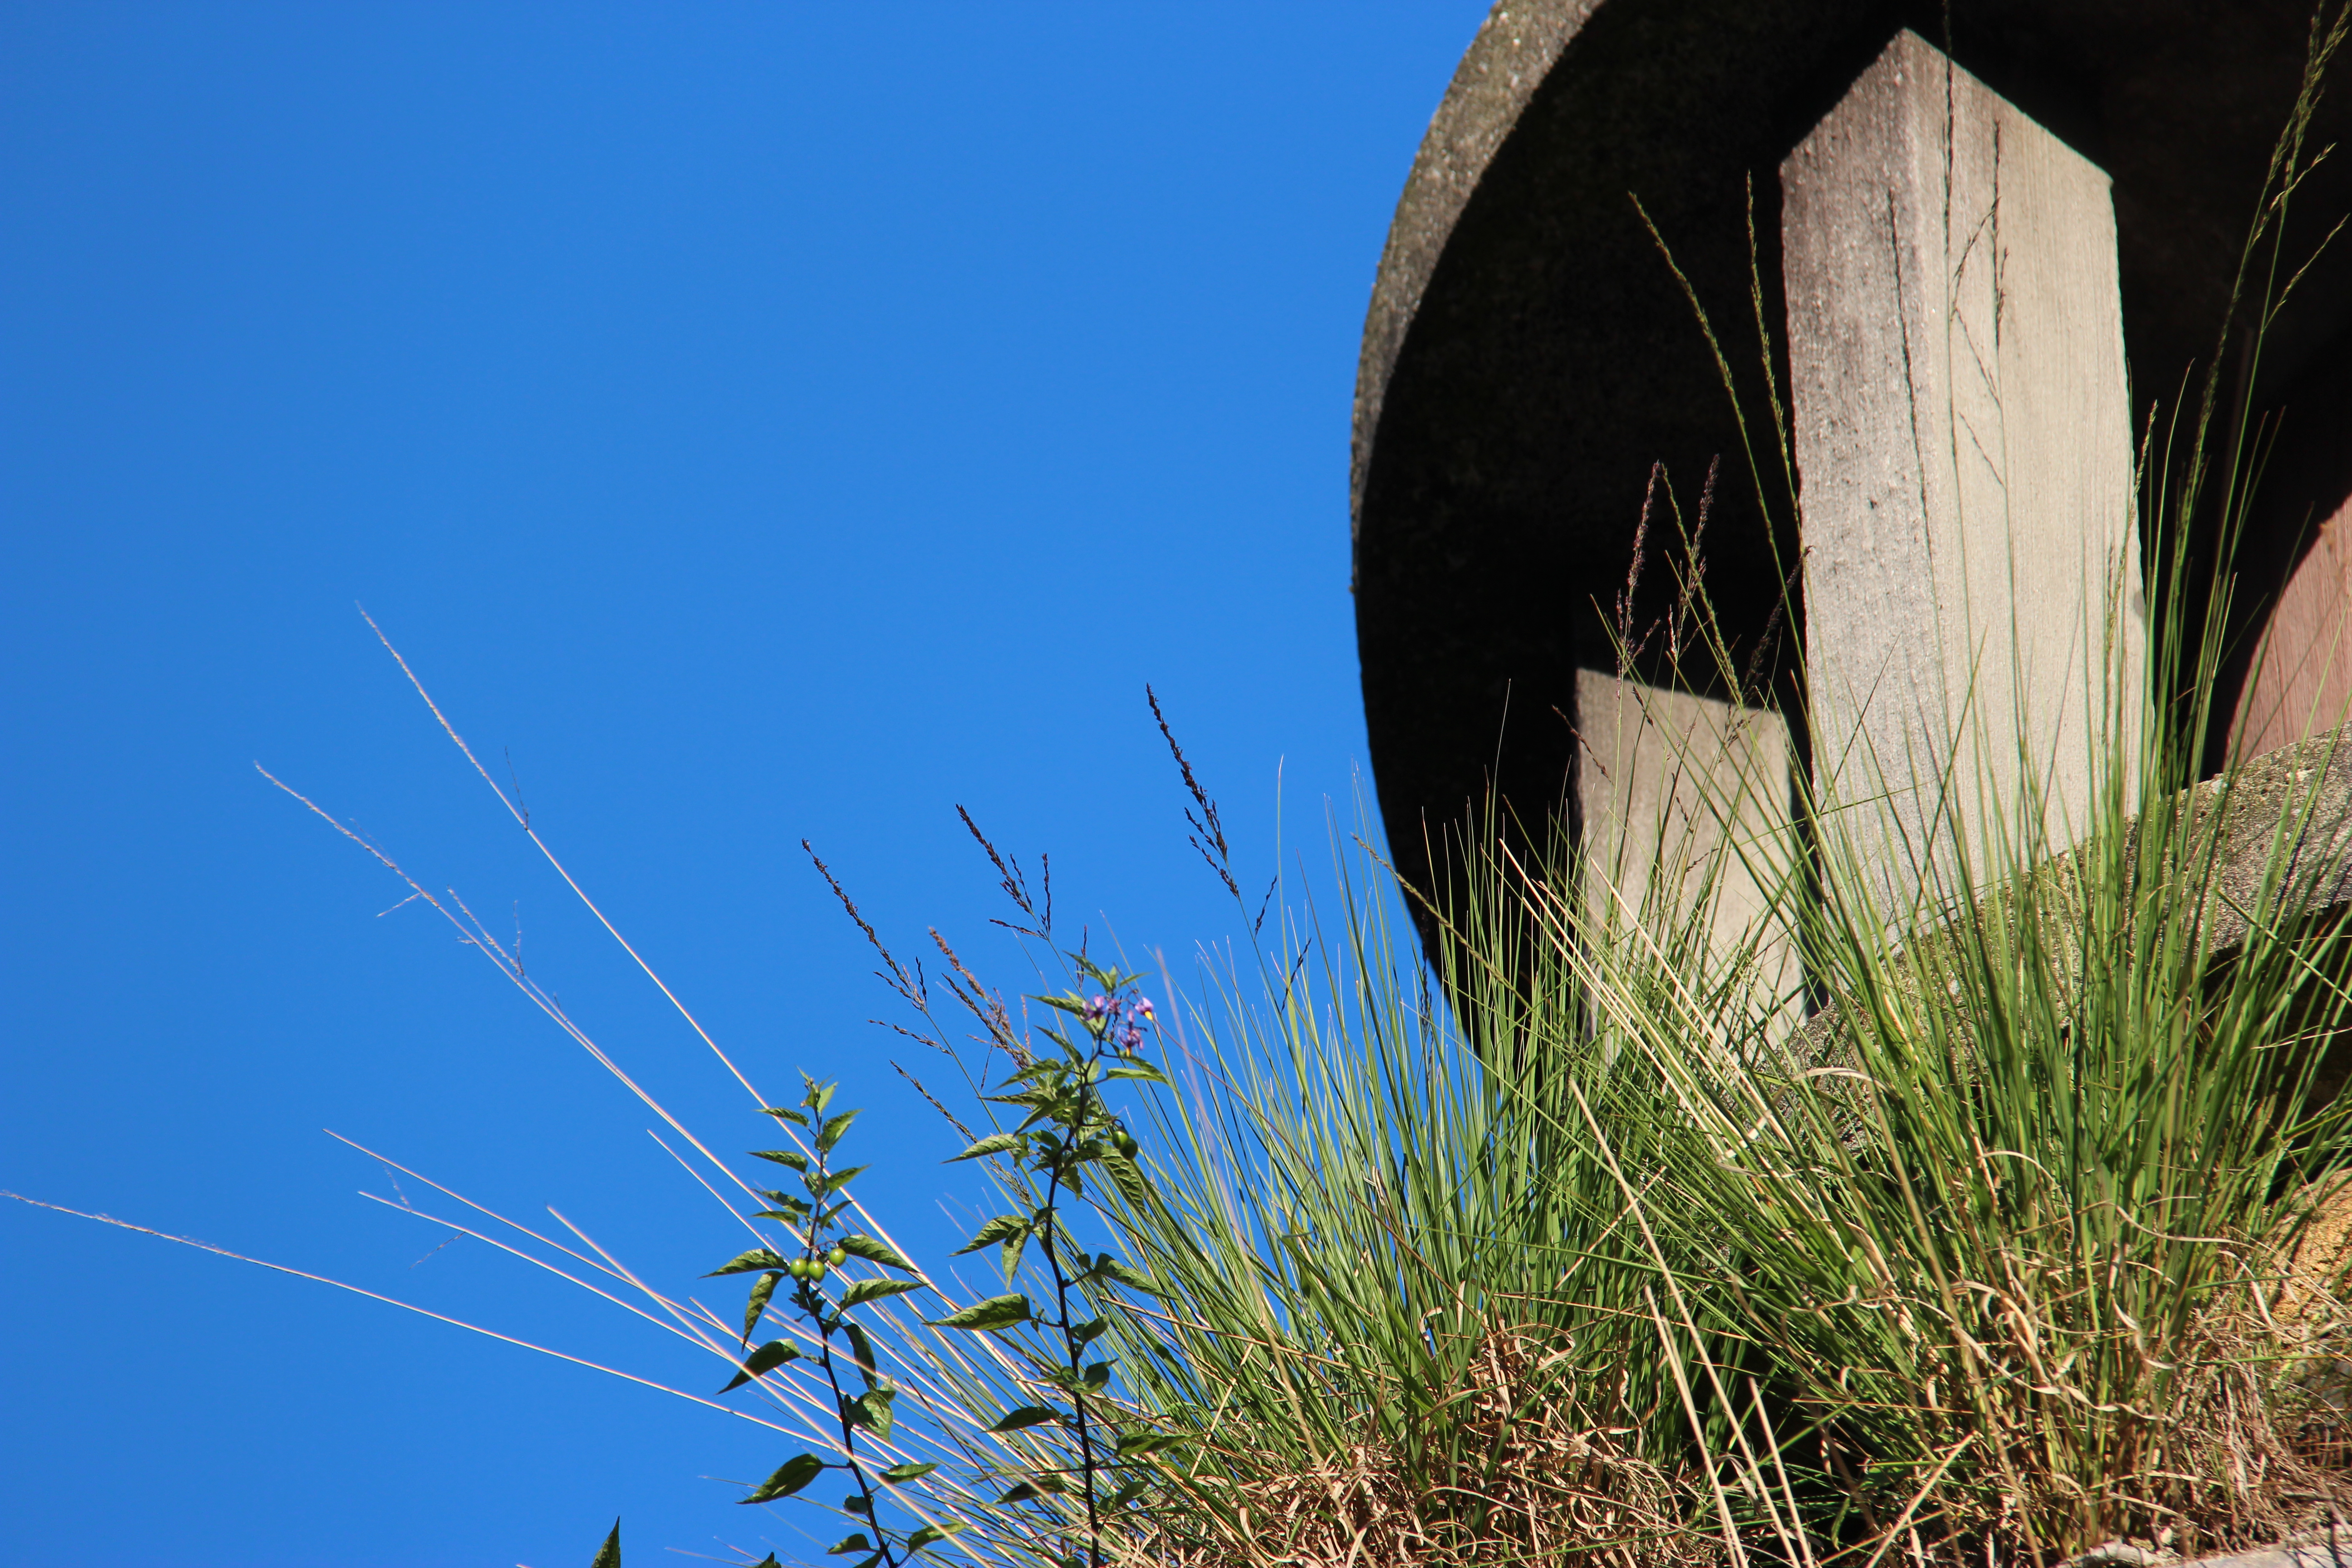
[[1973, 599]]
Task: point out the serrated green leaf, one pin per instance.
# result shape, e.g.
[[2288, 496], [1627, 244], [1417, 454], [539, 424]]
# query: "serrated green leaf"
[[752, 1262], [1027, 1415], [609, 1554], [931, 1534], [795, 1117], [996, 1230], [898, 1474], [792, 1157], [762, 1293], [996, 1312], [876, 1289], [830, 1134], [1142, 1071], [764, 1360], [854, 1541], [791, 1476], [873, 1251], [994, 1144]]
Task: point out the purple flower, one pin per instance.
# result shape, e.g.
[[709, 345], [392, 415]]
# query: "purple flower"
[[1097, 1010], [1143, 1008]]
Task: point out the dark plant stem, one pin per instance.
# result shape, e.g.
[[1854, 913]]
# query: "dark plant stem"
[[1048, 1237], [812, 1304]]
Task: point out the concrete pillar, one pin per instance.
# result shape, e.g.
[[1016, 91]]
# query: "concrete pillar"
[[1676, 788], [1964, 449], [2301, 677]]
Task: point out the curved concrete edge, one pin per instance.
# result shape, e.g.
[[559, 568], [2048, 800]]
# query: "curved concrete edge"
[[1514, 50]]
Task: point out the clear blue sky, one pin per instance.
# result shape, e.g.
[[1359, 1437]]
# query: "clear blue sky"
[[757, 420]]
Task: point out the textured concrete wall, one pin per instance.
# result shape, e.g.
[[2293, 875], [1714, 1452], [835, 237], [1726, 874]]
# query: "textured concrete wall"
[[1666, 780], [2303, 671], [1963, 436]]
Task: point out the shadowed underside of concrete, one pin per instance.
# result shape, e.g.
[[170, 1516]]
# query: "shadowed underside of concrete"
[[1529, 354]]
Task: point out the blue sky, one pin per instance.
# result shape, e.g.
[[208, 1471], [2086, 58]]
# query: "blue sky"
[[756, 422]]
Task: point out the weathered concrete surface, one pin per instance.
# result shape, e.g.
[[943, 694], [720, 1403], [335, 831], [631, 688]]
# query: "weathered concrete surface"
[[1527, 355], [2295, 802], [2302, 673], [1964, 453], [2316, 1554], [1690, 787]]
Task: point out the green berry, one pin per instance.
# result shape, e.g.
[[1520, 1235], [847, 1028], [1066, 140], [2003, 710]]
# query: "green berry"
[[836, 1258]]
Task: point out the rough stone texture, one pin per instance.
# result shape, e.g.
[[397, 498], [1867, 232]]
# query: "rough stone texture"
[[1964, 453], [1527, 356], [2300, 796], [1682, 779], [2321, 1553]]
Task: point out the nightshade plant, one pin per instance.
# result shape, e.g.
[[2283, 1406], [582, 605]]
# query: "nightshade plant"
[[1069, 1130], [823, 1246], [1076, 1487]]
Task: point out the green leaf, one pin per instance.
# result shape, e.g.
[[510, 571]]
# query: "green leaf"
[[794, 1117], [994, 1231], [790, 1476], [873, 1251], [899, 1473], [609, 1554], [996, 1312], [1020, 1493], [871, 1409], [854, 1541], [1089, 1332], [761, 1294], [995, 1144], [830, 1134], [930, 1533], [766, 1359], [1112, 1268], [841, 1179], [752, 1262], [861, 1349], [792, 1157], [1130, 1492], [1027, 1415], [819, 1095], [1143, 1445], [875, 1289], [1143, 1071]]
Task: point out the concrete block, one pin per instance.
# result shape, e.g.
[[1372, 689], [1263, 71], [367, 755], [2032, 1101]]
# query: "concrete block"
[[1666, 782], [1973, 597]]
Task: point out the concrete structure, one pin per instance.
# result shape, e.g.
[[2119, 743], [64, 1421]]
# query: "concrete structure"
[[1963, 441], [1529, 354]]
